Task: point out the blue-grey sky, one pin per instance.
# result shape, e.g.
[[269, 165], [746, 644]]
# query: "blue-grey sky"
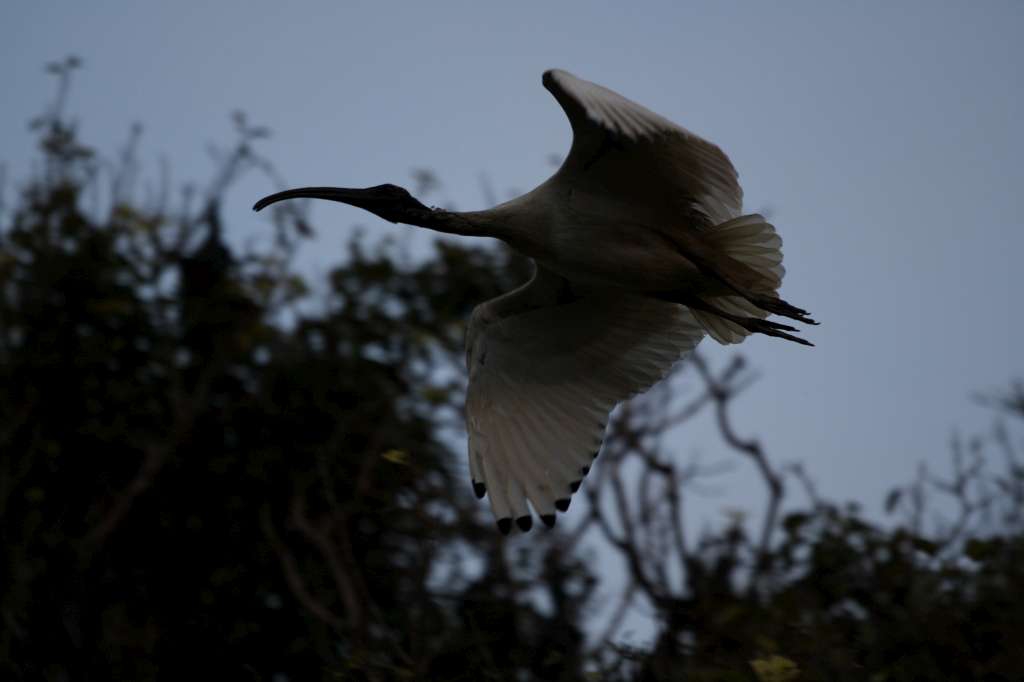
[[883, 137]]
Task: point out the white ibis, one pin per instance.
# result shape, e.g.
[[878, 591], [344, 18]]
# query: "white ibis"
[[640, 249]]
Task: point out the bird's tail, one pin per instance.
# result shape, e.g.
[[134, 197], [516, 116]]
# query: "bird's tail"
[[745, 255]]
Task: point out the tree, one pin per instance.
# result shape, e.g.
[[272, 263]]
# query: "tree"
[[202, 461], [189, 479]]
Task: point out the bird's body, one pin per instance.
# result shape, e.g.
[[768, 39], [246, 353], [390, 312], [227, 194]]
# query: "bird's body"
[[580, 237], [641, 248]]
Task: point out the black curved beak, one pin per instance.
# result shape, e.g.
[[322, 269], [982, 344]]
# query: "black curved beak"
[[367, 199]]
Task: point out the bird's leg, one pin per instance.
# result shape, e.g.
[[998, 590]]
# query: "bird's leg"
[[770, 304], [767, 327], [726, 271], [778, 306], [754, 325]]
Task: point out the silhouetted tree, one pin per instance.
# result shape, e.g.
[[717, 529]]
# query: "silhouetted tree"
[[207, 469], [190, 483]]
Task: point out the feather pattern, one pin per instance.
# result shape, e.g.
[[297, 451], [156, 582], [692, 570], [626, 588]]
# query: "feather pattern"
[[543, 378], [667, 160]]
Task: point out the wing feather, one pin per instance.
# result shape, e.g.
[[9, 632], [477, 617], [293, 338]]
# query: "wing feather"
[[671, 165], [543, 381]]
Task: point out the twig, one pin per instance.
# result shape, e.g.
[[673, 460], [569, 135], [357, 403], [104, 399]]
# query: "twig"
[[722, 392], [156, 455], [344, 580], [293, 576]]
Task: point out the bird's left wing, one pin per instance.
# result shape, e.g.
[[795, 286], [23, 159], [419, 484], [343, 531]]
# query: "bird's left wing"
[[542, 382]]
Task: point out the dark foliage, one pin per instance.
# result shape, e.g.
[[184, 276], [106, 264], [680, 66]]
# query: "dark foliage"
[[197, 471], [207, 469]]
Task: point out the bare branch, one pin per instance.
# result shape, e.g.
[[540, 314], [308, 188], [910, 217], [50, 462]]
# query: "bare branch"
[[353, 595], [293, 575], [722, 390], [155, 456]]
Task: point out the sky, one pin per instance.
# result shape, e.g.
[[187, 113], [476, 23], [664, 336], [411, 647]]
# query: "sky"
[[883, 138]]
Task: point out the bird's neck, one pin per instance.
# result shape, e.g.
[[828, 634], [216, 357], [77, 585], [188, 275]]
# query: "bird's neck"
[[488, 223], [467, 224]]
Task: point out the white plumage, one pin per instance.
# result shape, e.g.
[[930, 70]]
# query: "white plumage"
[[543, 380], [641, 248]]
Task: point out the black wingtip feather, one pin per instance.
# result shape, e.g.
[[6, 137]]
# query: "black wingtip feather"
[[585, 470], [525, 523], [505, 525], [562, 504], [574, 486], [479, 489], [548, 519]]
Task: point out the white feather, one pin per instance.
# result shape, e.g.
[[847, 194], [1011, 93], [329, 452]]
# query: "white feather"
[[542, 380]]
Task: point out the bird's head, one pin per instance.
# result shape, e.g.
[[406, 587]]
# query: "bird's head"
[[390, 202]]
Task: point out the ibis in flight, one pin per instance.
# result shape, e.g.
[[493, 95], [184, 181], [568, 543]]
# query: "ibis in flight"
[[641, 248]]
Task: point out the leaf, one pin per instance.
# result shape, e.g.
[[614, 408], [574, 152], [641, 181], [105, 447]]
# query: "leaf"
[[775, 669], [111, 307], [736, 516], [793, 522], [980, 550], [435, 395], [892, 499], [396, 456], [926, 546]]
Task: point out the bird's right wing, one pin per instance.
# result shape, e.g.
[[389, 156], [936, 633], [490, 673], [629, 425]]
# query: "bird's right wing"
[[541, 385], [623, 149]]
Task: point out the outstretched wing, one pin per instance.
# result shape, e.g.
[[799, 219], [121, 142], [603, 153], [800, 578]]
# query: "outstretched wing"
[[542, 382], [624, 149]]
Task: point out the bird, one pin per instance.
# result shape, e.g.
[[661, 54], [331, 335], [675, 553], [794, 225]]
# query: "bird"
[[640, 250]]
